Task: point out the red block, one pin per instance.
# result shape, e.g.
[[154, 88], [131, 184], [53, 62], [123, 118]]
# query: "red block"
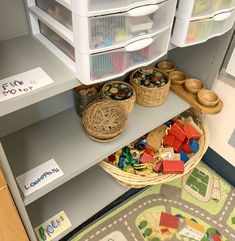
[[177, 145], [168, 221], [158, 167], [112, 158], [145, 158], [186, 147], [191, 132], [149, 151], [172, 167], [168, 140], [177, 131]]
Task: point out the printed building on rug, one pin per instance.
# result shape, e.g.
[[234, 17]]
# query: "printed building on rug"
[[192, 230], [214, 237], [168, 221]]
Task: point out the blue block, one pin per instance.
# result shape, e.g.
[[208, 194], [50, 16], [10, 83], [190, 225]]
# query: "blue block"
[[141, 144], [194, 145], [121, 162], [168, 123], [183, 156]]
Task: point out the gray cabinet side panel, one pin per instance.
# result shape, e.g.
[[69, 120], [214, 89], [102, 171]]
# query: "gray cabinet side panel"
[[204, 60], [13, 20]]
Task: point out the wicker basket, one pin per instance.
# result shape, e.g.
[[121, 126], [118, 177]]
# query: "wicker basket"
[[150, 96], [104, 120], [128, 103], [137, 181]]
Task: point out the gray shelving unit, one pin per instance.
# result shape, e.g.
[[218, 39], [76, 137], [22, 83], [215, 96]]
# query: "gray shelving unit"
[[61, 137], [42, 125], [21, 54]]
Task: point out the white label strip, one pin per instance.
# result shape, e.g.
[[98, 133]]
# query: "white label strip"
[[53, 227], [39, 177], [23, 83]]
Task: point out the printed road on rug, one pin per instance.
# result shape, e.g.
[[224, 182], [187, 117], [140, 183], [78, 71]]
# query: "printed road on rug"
[[199, 206]]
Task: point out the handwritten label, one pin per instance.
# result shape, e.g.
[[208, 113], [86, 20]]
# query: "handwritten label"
[[23, 83], [53, 227], [39, 177]]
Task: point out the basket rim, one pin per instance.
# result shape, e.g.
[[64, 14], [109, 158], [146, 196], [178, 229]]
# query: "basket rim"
[[133, 97], [148, 88]]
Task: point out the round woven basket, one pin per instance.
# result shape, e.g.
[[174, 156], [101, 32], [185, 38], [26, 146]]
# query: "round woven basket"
[[128, 103], [104, 120], [137, 181], [150, 96]]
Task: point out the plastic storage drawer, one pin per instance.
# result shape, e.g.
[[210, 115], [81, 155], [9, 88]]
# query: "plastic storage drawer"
[[100, 7], [197, 9], [118, 62], [187, 33], [57, 40], [57, 11], [111, 31], [93, 68]]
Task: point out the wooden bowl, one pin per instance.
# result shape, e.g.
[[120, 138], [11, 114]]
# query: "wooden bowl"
[[207, 98], [193, 85], [166, 66], [177, 77]]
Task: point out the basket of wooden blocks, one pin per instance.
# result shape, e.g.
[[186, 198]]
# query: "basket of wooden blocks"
[[164, 154]]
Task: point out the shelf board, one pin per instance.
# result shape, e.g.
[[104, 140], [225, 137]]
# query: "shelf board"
[[80, 198], [25, 53], [61, 137]]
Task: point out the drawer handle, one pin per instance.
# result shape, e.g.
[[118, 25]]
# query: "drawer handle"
[[143, 11], [222, 16], [141, 44]]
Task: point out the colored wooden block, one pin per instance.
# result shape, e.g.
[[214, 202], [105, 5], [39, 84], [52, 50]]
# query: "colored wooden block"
[[177, 130], [154, 137], [111, 158], [149, 151], [171, 141], [183, 156], [172, 167], [191, 132], [186, 146], [121, 162], [177, 145], [194, 145], [191, 122], [158, 167], [168, 140], [166, 153], [145, 158]]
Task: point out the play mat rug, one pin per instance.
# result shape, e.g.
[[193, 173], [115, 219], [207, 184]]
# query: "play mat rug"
[[199, 206]]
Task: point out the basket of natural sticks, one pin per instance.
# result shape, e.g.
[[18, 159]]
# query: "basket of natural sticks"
[[151, 86], [168, 152]]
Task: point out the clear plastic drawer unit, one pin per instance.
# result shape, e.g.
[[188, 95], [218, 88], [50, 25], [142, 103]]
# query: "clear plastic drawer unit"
[[197, 9], [92, 40], [199, 20]]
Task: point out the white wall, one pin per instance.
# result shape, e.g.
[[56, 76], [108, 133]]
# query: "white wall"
[[13, 20], [222, 125]]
